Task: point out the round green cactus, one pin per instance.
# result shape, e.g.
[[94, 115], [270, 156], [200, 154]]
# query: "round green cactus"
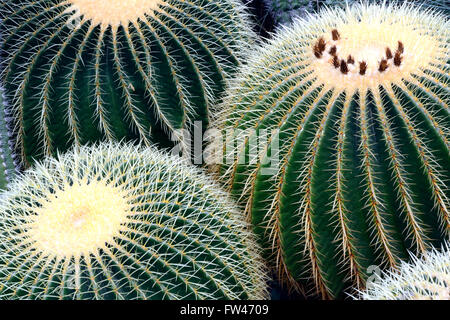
[[81, 71], [427, 278], [121, 222], [358, 102]]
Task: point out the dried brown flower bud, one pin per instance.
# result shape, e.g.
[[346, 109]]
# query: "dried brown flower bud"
[[383, 65], [350, 60], [336, 62], [344, 67], [389, 53], [398, 59], [362, 68], [333, 50], [317, 51], [400, 48], [335, 34], [321, 45]]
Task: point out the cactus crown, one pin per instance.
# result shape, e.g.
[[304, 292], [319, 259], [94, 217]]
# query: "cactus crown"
[[365, 53], [365, 49], [112, 13], [88, 213], [121, 222]]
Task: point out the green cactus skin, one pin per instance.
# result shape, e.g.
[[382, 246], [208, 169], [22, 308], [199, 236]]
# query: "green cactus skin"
[[7, 162], [123, 222], [284, 11], [75, 74], [427, 278], [364, 158]]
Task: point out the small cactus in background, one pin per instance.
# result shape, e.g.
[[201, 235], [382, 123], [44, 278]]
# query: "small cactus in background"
[[81, 71], [358, 100], [8, 165], [121, 222], [427, 278], [284, 11]]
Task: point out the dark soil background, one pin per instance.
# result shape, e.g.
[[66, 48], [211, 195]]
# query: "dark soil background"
[[264, 22]]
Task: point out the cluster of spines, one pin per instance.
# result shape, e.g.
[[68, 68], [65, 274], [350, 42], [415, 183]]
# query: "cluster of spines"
[[182, 238], [346, 160], [425, 278], [82, 83]]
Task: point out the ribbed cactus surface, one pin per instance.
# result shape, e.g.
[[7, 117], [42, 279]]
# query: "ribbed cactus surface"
[[121, 222], [7, 162], [80, 71], [356, 169], [427, 278]]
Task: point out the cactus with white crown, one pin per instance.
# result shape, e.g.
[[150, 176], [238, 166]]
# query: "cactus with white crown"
[[357, 99], [427, 278], [123, 222], [81, 71]]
